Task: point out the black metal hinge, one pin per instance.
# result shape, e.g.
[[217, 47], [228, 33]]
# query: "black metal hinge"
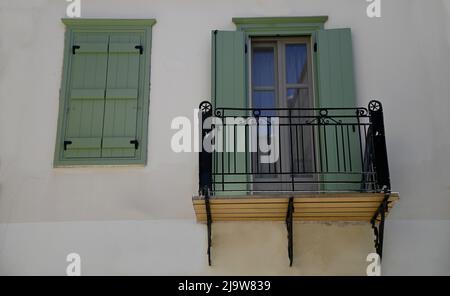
[[315, 46], [140, 47], [67, 143], [136, 144], [245, 48], [74, 48]]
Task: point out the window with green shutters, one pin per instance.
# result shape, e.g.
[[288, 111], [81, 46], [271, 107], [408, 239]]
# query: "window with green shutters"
[[332, 61], [104, 100]]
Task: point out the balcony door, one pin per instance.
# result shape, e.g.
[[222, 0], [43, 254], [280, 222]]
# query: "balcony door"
[[281, 80]]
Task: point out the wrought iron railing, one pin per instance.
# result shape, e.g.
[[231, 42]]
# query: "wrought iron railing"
[[257, 150]]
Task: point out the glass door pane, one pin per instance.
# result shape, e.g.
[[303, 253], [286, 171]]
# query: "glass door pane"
[[280, 75], [296, 64], [263, 67], [297, 90], [264, 78], [264, 95]]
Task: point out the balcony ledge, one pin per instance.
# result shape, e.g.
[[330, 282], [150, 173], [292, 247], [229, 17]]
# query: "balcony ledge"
[[346, 207]]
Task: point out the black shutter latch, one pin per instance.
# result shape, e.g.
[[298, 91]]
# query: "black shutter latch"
[[136, 143], [74, 48], [140, 47], [67, 143]]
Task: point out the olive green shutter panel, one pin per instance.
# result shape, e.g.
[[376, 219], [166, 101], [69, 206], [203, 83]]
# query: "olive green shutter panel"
[[336, 89], [229, 90], [229, 69], [86, 96], [122, 93]]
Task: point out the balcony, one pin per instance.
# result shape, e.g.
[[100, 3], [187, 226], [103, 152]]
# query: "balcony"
[[306, 164]]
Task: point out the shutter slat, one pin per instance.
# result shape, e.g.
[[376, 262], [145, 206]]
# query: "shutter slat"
[[122, 93], [89, 48], [84, 143], [91, 94], [118, 142], [115, 47]]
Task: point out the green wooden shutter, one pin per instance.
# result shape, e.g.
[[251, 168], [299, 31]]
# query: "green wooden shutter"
[[336, 88], [229, 69], [122, 92], [86, 96], [229, 90]]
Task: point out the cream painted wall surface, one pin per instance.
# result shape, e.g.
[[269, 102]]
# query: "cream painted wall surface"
[[402, 59], [178, 247]]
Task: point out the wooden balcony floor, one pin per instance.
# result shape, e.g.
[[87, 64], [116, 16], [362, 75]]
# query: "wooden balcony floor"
[[307, 207]]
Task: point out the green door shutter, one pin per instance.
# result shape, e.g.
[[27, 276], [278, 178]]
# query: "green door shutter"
[[122, 92], [86, 96], [229, 90], [335, 68], [336, 89], [229, 69]]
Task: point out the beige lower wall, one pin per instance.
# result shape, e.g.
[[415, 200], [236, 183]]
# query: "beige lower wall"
[[178, 247]]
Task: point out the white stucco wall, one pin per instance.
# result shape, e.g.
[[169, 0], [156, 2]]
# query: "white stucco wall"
[[142, 216]]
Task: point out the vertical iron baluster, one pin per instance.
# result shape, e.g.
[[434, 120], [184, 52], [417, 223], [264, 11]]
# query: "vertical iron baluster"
[[365, 142], [228, 152], [234, 144], [224, 148], [360, 140], [337, 148], [275, 161], [314, 147], [349, 150], [215, 157], [251, 148], [297, 147], [257, 145], [246, 147], [279, 148], [320, 146], [268, 138], [303, 150], [326, 146], [292, 151], [343, 147]]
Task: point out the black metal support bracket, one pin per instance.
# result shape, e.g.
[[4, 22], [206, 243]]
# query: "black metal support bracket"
[[208, 223], [289, 227], [378, 230]]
